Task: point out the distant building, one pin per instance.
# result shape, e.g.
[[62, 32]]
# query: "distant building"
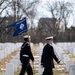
[[52, 23]]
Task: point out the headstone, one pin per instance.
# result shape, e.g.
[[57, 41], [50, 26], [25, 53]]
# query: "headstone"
[[68, 65], [31, 44], [66, 59], [2, 54], [74, 51], [17, 58], [9, 69], [15, 64], [40, 48], [40, 70], [72, 70]]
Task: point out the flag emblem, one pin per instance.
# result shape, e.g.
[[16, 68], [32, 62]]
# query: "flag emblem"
[[22, 26]]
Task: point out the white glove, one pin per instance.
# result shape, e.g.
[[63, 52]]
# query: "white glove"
[[21, 63], [42, 66], [32, 62], [61, 63]]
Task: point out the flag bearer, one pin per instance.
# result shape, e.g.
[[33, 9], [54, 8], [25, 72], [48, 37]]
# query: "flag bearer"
[[25, 56]]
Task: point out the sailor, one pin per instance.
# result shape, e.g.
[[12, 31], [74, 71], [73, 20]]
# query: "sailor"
[[47, 57], [25, 56]]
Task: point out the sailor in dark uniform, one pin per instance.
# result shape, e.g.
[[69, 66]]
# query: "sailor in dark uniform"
[[47, 57], [25, 56]]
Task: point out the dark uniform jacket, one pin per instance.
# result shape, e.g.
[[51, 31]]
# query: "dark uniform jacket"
[[26, 50], [47, 56]]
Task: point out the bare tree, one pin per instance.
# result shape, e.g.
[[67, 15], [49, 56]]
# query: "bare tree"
[[16, 9], [3, 6], [61, 11]]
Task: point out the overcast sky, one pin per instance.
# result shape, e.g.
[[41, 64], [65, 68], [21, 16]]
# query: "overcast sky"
[[42, 12]]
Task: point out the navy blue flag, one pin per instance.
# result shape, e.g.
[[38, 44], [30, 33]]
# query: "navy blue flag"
[[21, 26]]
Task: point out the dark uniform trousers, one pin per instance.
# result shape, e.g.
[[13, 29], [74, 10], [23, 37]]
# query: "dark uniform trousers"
[[47, 71], [26, 67]]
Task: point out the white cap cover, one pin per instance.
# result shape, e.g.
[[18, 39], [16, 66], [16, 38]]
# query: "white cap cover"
[[26, 36], [49, 38]]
